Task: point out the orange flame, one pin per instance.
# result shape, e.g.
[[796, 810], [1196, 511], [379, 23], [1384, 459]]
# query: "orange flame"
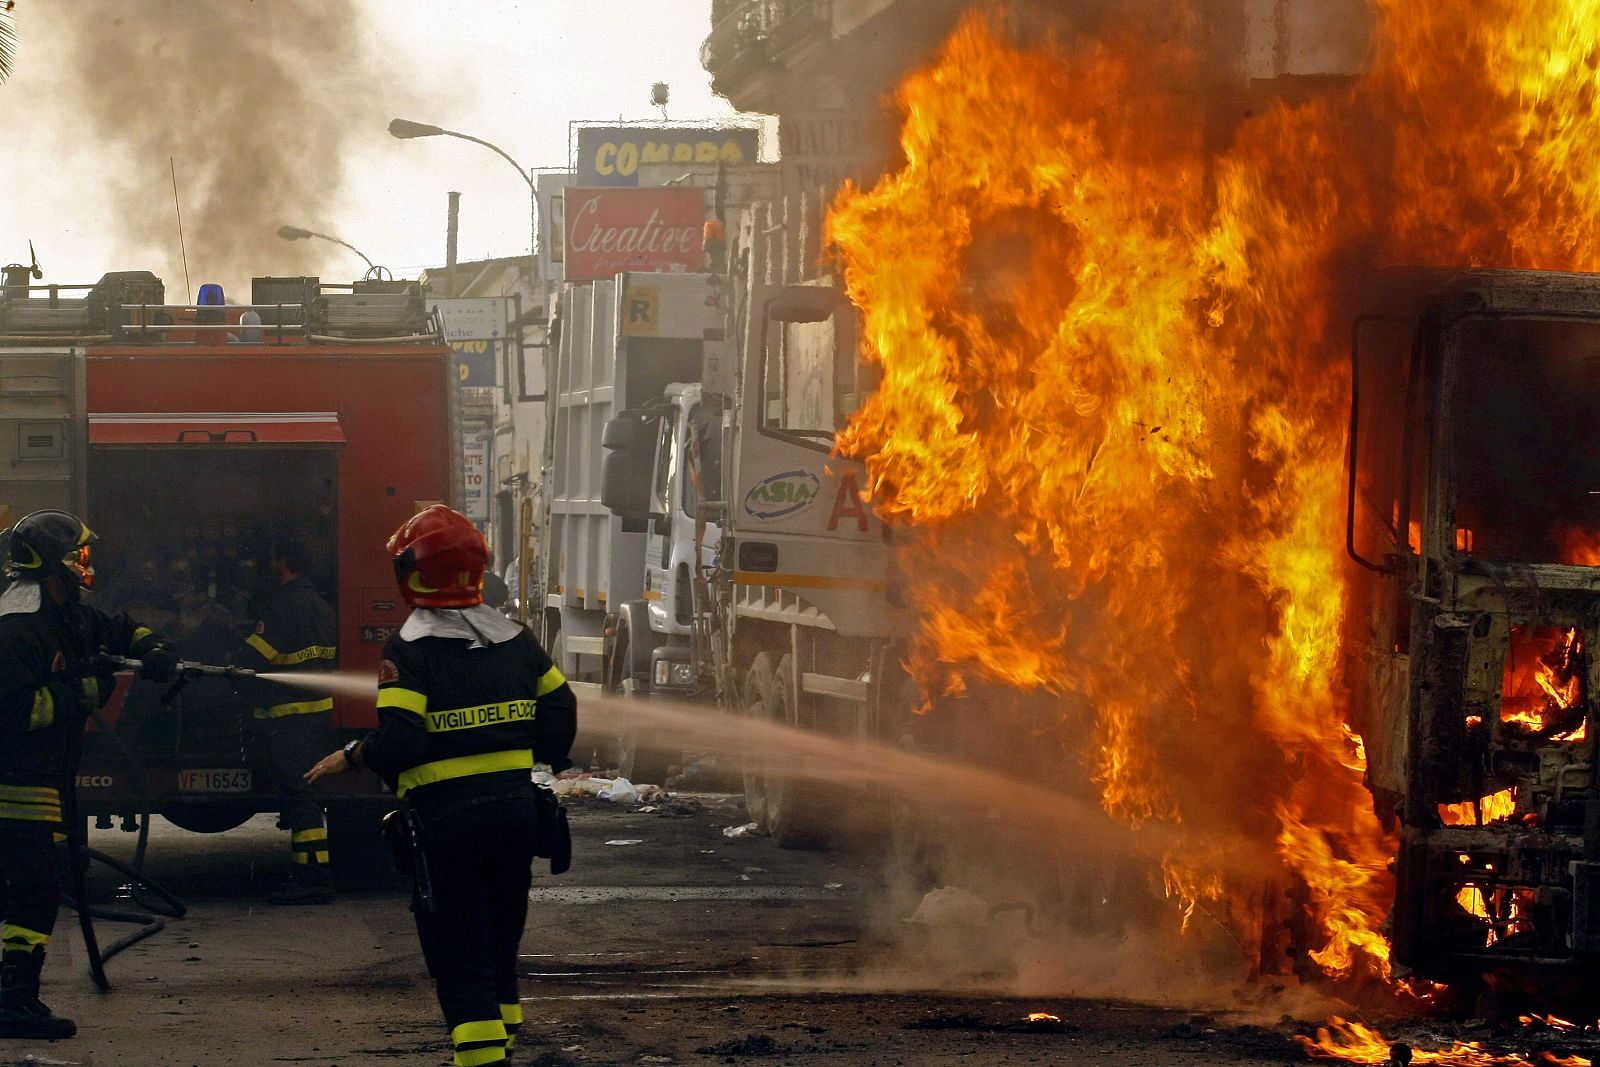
[[1354, 1043], [1542, 679], [1112, 405], [1495, 807]]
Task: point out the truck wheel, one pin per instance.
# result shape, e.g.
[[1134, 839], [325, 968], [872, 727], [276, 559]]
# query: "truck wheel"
[[757, 700], [796, 808], [208, 818], [355, 842], [639, 761]]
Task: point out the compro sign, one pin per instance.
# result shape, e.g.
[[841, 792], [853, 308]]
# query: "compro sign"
[[614, 230]]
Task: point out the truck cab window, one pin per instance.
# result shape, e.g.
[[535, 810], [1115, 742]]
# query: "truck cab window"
[[814, 379], [1525, 453], [666, 466], [704, 477]]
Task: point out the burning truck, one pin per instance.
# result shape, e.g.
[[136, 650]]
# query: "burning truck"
[[1298, 535], [1474, 518]]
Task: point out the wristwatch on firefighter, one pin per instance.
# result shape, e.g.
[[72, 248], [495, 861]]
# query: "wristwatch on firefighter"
[[350, 753]]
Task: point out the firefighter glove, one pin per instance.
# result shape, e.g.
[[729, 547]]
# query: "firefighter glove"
[[159, 664]]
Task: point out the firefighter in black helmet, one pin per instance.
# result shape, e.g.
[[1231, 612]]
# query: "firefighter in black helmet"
[[51, 678], [467, 701]]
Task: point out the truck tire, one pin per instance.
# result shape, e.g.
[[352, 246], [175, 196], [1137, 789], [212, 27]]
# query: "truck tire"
[[757, 699], [355, 842], [639, 761], [208, 818], [796, 807]]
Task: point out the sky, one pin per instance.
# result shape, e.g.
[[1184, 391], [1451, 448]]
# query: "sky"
[[513, 72]]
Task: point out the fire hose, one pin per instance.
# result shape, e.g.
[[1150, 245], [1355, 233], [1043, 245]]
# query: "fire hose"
[[169, 906]]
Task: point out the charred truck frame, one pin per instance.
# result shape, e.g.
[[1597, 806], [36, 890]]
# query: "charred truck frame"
[[190, 436], [1475, 512]]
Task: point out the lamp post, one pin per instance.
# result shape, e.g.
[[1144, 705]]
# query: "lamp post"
[[405, 129], [295, 233]]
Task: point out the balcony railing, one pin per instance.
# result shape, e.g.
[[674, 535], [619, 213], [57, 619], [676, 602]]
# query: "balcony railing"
[[747, 35]]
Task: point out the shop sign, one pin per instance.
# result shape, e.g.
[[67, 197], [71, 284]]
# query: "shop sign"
[[612, 155], [475, 475], [614, 230]]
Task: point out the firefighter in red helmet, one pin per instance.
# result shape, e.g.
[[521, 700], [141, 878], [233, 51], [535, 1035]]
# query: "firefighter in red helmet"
[[52, 678], [468, 701]]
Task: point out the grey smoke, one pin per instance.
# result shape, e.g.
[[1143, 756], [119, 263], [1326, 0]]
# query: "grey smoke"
[[257, 102]]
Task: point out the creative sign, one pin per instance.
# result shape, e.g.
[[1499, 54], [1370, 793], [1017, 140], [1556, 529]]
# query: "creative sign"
[[612, 155], [614, 230]]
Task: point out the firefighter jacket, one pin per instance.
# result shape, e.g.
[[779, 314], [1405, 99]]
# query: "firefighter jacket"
[[48, 687], [468, 701], [297, 632]]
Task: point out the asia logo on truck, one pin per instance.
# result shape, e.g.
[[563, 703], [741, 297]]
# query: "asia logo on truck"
[[781, 495]]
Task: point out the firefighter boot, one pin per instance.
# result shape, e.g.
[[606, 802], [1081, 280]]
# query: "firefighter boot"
[[22, 1014], [307, 884]]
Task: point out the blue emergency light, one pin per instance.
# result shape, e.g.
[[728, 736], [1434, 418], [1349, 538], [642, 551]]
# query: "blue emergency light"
[[210, 295]]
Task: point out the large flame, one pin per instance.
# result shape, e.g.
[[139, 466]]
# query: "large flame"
[[1113, 321]]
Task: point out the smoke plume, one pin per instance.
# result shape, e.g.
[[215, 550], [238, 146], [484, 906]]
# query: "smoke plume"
[[254, 102]]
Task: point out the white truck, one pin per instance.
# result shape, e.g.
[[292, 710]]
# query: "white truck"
[[626, 367], [768, 572]]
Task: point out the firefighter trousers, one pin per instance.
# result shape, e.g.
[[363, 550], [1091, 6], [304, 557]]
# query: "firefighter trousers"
[[480, 865], [28, 877], [289, 746]]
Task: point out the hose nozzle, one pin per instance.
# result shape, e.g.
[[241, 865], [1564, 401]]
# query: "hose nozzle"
[[186, 668]]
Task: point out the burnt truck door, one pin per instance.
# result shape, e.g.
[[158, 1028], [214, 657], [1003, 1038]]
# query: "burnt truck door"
[[1496, 872], [1385, 494], [187, 506]]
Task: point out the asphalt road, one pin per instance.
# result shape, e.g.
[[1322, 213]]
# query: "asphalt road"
[[669, 942]]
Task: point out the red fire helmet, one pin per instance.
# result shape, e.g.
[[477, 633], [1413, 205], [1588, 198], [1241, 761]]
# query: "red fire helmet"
[[439, 557]]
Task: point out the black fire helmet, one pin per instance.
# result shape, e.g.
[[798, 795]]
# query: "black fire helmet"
[[42, 540]]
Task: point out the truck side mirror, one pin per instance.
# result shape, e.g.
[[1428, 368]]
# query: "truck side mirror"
[[628, 467]]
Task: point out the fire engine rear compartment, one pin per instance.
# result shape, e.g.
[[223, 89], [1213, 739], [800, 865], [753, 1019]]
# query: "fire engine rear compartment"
[[193, 565]]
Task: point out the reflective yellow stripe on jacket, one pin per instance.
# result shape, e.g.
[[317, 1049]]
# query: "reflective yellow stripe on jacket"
[[552, 680], [520, 759], [299, 707], [404, 699], [44, 709], [30, 803], [496, 714], [290, 659]]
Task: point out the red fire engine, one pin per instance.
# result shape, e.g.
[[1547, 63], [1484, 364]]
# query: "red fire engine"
[[190, 436]]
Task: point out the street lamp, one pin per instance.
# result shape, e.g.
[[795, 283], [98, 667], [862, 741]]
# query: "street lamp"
[[405, 129], [295, 233]]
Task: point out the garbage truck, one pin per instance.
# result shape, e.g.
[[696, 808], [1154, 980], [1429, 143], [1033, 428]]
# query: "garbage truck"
[[763, 554], [616, 603]]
